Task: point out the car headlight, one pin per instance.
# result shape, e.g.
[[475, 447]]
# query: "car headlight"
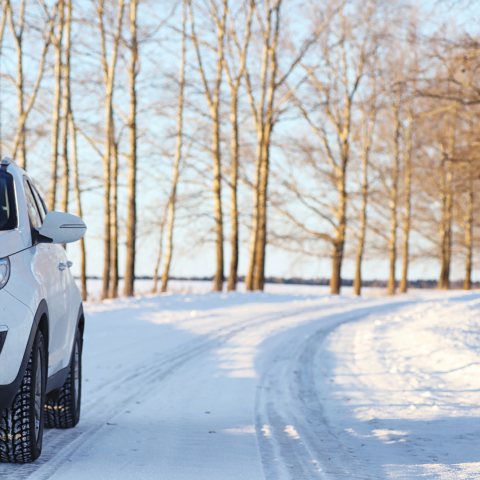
[[4, 271]]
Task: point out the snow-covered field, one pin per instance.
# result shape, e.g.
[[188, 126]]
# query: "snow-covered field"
[[289, 385]]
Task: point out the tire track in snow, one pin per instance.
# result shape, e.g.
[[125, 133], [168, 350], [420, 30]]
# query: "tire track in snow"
[[294, 436], [59, 445]]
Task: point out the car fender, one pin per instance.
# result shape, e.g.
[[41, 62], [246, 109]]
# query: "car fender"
[[40, 320]]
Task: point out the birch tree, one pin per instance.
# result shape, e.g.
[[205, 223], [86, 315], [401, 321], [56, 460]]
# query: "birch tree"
[[234, 77], [79, 211], [177, 159], [407, 209], [344, 49], [446, 203], [57, 44], [109, 69], [132, 158], [369, 109], [212, 91], [66, 108], [25, 102], [268, 98]]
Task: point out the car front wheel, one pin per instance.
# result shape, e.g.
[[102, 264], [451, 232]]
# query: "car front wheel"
[[21, 425]]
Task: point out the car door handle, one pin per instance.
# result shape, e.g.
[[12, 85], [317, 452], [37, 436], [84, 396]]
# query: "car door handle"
[[62, 266]]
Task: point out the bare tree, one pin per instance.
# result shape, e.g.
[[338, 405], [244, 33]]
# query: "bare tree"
[[212, 95], [76, 186], [234, 81], [66, 107], [468, 223], [57, 43], [396, 101], [132, 158], [109, 68], [160, 249], [262, 111], [177, 159], [369, 110], [344, 49], [25, 103], [447, 194], [407, 210], [3, 19]]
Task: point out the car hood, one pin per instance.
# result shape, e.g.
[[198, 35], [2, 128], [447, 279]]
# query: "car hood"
[[10, 242]]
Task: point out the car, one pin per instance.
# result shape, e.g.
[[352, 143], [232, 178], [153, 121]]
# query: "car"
[[41, 318]]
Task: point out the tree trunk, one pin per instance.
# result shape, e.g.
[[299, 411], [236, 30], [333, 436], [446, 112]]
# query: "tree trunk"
[[76, 185], [114, 216], [65, 109], [56, 109], [259, 274], [19, 143], [160, 251], [19, 153], [132, 159], [178, 156], [213, 99], [467, 283], [407, 211], [233, 275], [217, 199], [106, 195], [357, 283], [267, 125], [252, 248], [234, 83], [2, 29], [110, 259], [392, 241], [446, 232], [447, 207], [339, 243]]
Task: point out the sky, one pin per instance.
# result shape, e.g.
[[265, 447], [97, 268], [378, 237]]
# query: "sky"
[[190, 258]]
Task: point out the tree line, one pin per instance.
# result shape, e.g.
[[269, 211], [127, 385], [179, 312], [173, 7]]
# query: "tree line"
[[339, 129]]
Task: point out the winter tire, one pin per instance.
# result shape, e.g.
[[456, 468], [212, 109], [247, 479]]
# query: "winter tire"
[[62, 407], [21, 426]]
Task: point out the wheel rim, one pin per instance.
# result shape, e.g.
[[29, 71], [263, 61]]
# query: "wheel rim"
[[77, 374], [38, 393]]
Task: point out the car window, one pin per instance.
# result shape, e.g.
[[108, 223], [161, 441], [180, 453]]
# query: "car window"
[[8, 211], [40, 203], [31, 205]]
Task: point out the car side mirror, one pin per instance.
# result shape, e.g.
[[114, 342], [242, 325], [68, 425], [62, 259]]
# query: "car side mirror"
[[59, 227]]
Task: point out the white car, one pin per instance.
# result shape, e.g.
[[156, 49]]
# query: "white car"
[[41, 318]]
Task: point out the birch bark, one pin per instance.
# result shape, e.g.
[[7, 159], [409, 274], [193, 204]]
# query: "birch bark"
[[177, 159], [76, 186], [407, 207], [57, 43], [66, 108], [234, 84], [467, 283], [132, 158], [109, 68], [447, 211], [213, 99]]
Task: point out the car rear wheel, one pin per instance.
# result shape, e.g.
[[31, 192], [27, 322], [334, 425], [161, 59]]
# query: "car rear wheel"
[[62, 407], [21, 425]]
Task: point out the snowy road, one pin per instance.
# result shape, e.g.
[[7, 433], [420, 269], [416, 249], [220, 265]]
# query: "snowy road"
[[254, 386]]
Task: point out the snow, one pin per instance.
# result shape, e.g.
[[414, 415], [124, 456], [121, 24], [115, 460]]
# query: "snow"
[[295, 384]]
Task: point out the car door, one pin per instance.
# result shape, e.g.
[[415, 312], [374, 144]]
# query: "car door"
[[71, 297], [45, 267]]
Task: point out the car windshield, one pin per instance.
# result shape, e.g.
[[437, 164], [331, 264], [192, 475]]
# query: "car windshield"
[[8, 214]]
